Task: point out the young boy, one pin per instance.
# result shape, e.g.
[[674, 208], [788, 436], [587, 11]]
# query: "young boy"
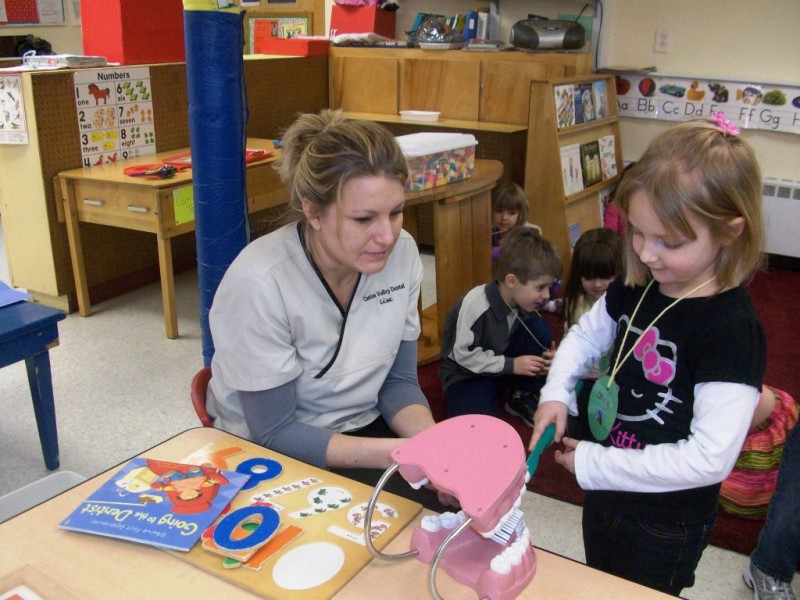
[[494, 338]]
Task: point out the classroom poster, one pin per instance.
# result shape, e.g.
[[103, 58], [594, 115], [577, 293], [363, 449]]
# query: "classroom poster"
[[37, 12], [748, 105], [115, 114], [13, 129]]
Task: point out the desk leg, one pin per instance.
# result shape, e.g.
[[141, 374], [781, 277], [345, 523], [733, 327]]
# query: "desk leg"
[[41, 384], [167, 286], [75, 247]]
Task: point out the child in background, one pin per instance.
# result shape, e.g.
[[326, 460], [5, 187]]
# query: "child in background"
[[687, 364], [612, 217], [494, 338], [772, 564], [596, 262], [510, 210]]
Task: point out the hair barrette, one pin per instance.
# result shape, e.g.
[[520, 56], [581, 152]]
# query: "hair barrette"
[[725, 124]]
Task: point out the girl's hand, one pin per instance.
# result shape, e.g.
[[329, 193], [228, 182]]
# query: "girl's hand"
[[530, 366], [567, 458], [548, 412]]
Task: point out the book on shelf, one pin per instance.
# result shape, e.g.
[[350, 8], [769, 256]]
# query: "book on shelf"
[[590, 163], [584, 103], [155, 502], [608, 156], [600, 96], [565, 105], [483, 26], [487, 45], [571, 171], [470, 25], [62, 61]]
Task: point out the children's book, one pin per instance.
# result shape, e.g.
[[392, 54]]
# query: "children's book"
[[571, 170], [600, 99], [160, 503], [608, 156], [584, 103], [590, 163], [565, 105]]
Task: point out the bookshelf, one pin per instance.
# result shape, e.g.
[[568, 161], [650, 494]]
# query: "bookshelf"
[[574, 158]]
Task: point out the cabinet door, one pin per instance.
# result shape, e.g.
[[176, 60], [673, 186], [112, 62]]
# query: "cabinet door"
[[506, 89], [364, 84], [449, 86]]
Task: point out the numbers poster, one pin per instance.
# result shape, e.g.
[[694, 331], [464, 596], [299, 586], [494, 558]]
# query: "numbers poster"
[[115, 114]]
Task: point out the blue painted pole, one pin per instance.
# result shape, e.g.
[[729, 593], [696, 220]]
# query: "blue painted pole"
[[217, 128]]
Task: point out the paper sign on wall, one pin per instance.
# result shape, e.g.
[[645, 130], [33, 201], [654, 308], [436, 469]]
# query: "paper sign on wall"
[[13, 129], [748, 105], [115, 114]]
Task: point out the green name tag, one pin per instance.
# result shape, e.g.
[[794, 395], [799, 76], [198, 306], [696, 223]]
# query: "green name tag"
[[603, 402]]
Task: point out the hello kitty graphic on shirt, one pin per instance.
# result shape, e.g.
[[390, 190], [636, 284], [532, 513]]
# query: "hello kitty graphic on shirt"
[[650, 398]]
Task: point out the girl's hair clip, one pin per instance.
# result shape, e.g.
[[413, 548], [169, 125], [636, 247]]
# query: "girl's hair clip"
[[725, 124]]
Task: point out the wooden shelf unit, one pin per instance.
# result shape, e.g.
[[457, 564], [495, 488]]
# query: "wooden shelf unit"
[[559, 214]]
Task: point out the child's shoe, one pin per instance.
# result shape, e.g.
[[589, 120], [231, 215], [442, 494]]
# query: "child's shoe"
[[523, 405], [765, 587]]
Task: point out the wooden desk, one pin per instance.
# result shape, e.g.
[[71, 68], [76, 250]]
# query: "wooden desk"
[[104, 195], [62, 564], [27, 332], [462, 230]]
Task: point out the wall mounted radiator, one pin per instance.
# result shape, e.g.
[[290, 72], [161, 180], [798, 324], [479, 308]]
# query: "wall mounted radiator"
[[782, 216]]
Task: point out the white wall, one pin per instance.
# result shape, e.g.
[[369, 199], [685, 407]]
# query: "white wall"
[[734, 39]]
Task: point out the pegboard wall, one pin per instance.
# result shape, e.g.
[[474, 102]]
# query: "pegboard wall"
[[119, 259]]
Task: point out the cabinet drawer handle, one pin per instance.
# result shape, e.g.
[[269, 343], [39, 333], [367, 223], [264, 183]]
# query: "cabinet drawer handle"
[[92, 202], [138, 209]]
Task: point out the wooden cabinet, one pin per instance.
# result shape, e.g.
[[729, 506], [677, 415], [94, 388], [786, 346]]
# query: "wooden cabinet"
[[490, 87], [559, 205]]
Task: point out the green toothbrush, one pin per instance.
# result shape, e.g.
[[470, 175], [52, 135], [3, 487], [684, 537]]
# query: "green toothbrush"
[[541, 445]]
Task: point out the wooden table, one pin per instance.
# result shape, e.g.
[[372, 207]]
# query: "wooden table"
[[104, 195], [462, 231], [27, 332], [62, 564]]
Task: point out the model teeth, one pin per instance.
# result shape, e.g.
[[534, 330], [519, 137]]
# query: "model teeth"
[[431, 523], [420, 483], [511, 556]]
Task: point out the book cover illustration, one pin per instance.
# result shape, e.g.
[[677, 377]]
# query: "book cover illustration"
[[571, 171], [600, 96], [608, 156], [590, 163], [154, 502], [584, 103], [565, 105]]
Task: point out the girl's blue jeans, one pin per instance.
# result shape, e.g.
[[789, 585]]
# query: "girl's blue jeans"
[[657, 554]]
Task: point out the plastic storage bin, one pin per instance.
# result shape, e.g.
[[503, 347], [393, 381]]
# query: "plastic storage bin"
[[437, 158]]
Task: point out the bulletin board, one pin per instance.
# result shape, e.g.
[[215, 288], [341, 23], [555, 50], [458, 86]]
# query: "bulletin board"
[[34, 12]]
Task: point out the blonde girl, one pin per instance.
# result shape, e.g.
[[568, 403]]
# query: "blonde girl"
[[688, 358]]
